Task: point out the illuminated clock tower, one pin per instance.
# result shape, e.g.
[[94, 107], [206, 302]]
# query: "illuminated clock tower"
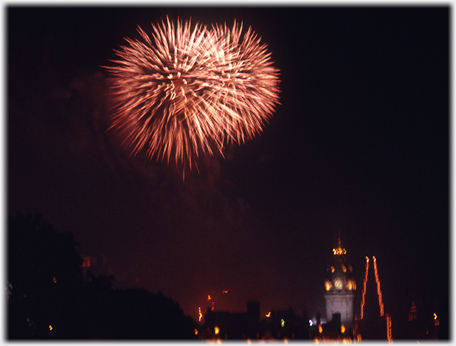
[[340, 288]]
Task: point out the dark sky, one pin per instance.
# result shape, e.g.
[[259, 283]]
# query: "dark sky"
[[359, 146]]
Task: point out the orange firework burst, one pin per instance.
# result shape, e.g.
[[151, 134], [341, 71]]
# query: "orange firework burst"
[[180, 91]]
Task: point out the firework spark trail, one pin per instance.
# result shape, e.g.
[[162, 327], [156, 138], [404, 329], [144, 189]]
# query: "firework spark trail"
[[181, 92]]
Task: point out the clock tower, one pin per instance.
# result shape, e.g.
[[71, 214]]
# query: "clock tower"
[[340, 288]]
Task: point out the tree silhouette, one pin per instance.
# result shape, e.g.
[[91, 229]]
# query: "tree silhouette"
[[49, 297], [139, 314], [44, 278]]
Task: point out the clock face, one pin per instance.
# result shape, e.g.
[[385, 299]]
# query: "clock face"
[[338, 284]]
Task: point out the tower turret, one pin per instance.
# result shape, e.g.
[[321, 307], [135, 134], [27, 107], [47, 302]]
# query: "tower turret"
[[340, 288]]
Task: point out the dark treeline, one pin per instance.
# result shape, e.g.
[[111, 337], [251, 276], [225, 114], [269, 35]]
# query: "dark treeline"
[[51, 297]]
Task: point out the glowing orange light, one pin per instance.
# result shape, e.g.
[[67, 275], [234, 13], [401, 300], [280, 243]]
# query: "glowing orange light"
[[196, 331], [200, 315], [50, 327], [364, 288], [268, 314], [436, 320], [339, 250], [344, 269], [86, 263], [379, 292], [389, 334], [320, 329], [342, 328], [225, 291], [54, 280], [328, 285], [216, 330], [285, 340], [208, 297], [212, 307]]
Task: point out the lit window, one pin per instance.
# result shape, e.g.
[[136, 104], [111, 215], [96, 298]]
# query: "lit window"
[[328, 285]]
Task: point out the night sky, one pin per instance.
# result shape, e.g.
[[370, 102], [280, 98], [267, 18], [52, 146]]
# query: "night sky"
[[358, 147]]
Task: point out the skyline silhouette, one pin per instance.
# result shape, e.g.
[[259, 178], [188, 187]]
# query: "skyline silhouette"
[[359, 146]]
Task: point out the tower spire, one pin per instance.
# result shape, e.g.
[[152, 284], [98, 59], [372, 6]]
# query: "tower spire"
[[339, 250]]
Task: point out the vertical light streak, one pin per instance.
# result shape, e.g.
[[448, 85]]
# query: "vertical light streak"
[[379, 292], [364, 287], [389, 334]]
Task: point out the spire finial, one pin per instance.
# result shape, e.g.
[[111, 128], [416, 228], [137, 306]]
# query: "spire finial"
[[340, 250]]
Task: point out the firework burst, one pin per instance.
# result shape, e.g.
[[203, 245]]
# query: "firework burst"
[[180, 92]]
